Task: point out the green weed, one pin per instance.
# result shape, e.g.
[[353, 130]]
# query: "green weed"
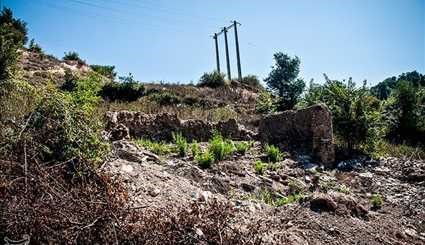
[[181, 144]]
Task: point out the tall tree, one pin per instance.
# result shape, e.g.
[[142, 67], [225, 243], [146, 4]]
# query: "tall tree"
[[283, 80]]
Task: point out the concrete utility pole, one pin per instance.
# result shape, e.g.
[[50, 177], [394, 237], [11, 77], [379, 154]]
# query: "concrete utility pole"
[[238, 57], [229, 76], [217, 55]]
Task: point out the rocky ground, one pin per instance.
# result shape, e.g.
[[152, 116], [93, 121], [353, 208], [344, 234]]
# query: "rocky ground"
[[332, 206]]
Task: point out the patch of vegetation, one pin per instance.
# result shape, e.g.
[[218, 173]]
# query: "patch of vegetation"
[[277, 200], [265, 103], [260, 167], [283, 81], [251, 80], [356, 114], [386, 149], [126, 90], [181, 144], [343, 189], [212, 80], [273, 153], [377, 201], [165, 98], [73, 56], [221, 148], [243, 147], [35, 47], [292, 198], [13, 35], [195, 148], [159, 148], [105, 70], [205, 159]]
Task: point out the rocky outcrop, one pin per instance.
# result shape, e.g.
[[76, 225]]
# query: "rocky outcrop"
[[161, 127], [309, 129]]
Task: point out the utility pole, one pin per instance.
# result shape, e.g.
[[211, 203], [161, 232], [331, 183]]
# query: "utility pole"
[[229, 76], [217, 56], [238, 57]]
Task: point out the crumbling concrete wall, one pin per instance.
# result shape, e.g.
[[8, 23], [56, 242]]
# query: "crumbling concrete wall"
[[124, 124], [308, 129]]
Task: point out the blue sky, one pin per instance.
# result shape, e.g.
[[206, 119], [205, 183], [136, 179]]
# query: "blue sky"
[[170, 40]]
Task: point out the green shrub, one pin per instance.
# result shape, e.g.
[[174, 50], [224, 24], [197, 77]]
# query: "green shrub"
[[377, 200], [159, 148], [251, 80], [74, 56], [166, 98], [356, 114], [292, 198], [104, 70], [181, 144], [273, 153], [195, 148], [13, 35], [205, 159], [220, 147], [212, 80], [63, 128], [265, 103], [126, 90], [243, 147], [260, 167]]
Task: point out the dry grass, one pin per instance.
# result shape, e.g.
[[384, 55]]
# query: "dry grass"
[[53, 204]]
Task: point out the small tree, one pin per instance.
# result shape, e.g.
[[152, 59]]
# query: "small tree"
[[284, 82]]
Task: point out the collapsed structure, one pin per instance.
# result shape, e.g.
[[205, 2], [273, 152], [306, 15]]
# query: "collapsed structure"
[[308, 130]]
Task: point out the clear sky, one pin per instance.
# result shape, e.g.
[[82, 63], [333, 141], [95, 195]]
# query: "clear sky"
[[170, 40]]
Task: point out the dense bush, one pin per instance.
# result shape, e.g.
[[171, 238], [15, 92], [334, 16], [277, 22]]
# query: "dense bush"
[[13, 35], [165, 98], [16, 28], [74, 56], [251, 80], [283, 81], [212, 80], [127, 90], [405, 113], [61, 130], [107, 71], [356, 114], [265, 103]]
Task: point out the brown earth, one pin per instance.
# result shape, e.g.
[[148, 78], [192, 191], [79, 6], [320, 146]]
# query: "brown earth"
[[336, 208]]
